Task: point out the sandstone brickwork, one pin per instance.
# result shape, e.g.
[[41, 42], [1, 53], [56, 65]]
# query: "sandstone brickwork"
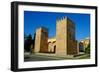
[[65, 37], [64, 43], [41, 41]]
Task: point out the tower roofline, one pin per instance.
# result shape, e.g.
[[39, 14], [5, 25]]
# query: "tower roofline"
[[63, 18], [70, 20], [42, 27]]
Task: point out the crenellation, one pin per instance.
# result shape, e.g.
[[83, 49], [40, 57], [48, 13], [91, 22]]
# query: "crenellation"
[[64, 43]]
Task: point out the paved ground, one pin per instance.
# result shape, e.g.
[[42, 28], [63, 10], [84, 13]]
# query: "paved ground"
[[38, 58], [46, 57]]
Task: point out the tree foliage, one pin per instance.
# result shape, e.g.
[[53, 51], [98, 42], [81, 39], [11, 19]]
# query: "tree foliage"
[[28, 42], [87, 49]]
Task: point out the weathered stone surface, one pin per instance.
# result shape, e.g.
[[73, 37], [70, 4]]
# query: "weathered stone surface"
[[65, 37], [41, 41], [63, 44]]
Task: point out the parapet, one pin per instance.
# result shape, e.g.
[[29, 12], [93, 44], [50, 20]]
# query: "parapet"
[[60, 19]]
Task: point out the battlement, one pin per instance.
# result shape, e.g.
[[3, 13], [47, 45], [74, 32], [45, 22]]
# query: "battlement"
[[65, 21], [61, 19], [63, 43], [64, 18]]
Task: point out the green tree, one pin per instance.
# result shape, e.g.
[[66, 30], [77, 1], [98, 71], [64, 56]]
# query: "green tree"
[[87, 49], [27, 42]]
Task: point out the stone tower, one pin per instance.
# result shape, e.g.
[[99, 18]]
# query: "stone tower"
[[65, 37], [41, 41]]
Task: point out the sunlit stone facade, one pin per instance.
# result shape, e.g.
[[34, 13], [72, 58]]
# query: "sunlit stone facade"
[[64, 43]]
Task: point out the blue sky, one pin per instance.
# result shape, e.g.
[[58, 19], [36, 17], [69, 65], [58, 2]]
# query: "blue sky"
[[34, 20]]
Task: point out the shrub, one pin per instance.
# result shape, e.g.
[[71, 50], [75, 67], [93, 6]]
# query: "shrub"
[[87, 49]]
